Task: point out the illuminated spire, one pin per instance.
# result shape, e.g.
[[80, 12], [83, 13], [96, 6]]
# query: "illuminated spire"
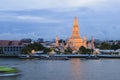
[[57, 43], [75, 32], [75, 21]]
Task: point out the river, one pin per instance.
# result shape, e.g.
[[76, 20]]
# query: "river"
[[73, 69]]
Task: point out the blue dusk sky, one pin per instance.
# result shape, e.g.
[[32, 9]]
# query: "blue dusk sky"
[[48, 18]]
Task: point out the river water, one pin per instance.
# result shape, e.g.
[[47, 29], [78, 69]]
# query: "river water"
[[73, 69]]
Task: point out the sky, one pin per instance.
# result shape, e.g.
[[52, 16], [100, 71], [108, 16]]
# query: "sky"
[[48, 18]]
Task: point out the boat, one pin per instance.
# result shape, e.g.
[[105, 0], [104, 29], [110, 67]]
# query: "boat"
[[25, 57], [92, 57], [54, 58], [9, 74], [58, 58], [8, 71]]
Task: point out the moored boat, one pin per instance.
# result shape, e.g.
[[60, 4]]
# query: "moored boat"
[[54, 58], [92, 57], [25, 57]]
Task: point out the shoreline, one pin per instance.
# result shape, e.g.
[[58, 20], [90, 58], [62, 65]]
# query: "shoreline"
[[65, 55]]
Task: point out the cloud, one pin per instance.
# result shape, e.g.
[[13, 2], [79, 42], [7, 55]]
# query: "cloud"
[[51, 4], [27, 18], [98, 18], [18, 36], [37, 19]]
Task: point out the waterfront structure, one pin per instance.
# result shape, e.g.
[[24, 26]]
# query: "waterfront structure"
[[11, 46], [75, 41]]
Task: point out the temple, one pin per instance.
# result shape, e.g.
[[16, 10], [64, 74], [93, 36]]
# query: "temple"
[[75, 41]]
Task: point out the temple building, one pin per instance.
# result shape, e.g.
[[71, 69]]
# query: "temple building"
[[75, 41]]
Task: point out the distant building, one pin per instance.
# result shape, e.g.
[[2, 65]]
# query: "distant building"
[[41, 40], [11, 46], [48, 44]]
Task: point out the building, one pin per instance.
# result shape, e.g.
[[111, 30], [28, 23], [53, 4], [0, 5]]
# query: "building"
[[10, 46], [41, 40], [75, 41]]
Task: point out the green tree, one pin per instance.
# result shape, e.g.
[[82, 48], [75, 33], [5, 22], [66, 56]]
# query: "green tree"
[[83, 50], [35, 46], [89, 51], [68, 50], [47, 50], [105, 45], [26, 50], [115, 47]]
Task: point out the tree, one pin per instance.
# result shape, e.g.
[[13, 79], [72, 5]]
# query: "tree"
[[105, 45], [84, 50], [115, 46], [26, 50], [35, 46], [26, 40], [68, 50], [89, 51], [47, 50]]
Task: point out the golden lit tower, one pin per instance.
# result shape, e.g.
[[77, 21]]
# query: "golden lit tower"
[[75, 40], [57, 43], [75, 32]]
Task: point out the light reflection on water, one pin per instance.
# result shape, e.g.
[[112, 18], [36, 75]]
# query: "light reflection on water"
[[73, 69]]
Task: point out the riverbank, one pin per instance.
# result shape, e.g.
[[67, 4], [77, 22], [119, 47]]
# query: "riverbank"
[[86, 56], [8, 56], [43, 56]]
